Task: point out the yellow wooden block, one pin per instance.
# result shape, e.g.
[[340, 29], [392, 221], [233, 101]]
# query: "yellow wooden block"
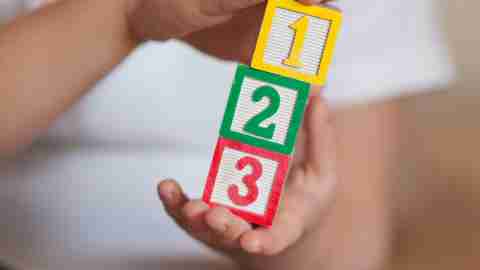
[[297, 41]]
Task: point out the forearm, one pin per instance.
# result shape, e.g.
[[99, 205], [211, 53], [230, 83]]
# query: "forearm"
[[50, 58]]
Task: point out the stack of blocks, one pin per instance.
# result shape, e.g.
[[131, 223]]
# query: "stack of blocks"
[[266, 106]]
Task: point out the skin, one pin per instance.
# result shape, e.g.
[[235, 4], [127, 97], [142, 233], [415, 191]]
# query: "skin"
[[343, 207], [326, 187], [436, 181], [334, 196], [308, 197], [31, 43]]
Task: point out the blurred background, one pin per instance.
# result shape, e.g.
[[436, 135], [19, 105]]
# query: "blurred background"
[[84, 195]]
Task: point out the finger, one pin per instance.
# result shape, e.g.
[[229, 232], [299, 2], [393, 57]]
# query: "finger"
[[226, 226], [316, 90], [172, 197], [286, 230], [314, 2], [319, 138], [226, 7], [194, 216], [245, 24], [299, 155]]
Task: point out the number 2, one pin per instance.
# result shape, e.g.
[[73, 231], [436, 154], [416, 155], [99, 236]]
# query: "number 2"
[[300, 27], [249, 180], [253, 125]]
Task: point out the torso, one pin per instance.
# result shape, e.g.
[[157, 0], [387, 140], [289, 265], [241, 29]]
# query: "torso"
[[437, 192]]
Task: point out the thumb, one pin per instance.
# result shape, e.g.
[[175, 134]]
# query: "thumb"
[[319, 136]]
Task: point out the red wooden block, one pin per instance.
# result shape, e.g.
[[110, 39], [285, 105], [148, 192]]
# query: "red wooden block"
[[247, 180]]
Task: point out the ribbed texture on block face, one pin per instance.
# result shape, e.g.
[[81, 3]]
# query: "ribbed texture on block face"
[[228, 174], [247, 180], [281, 39], [246, 109], [264, 110]]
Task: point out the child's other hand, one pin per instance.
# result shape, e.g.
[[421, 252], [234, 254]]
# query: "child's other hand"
[[308, 195], [226, 29]]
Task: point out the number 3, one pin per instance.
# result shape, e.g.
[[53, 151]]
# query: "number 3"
[[249, 181], [300, 27]]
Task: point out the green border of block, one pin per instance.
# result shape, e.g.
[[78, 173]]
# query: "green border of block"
[[303, 90]]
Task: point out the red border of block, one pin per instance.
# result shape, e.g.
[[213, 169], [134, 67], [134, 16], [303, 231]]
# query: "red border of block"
[[277, 186]]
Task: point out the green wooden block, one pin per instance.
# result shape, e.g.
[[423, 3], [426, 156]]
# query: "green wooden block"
[[265, 110]]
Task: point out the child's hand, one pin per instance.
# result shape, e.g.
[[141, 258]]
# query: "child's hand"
[[226, 29], [306, 200]]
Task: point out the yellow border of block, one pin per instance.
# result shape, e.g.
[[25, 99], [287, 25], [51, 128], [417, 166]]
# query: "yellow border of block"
[[334, 16]]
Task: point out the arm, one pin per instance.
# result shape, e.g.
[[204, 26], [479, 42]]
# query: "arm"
[[50, 58]]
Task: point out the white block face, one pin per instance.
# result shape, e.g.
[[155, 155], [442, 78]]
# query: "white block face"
[[281, 38], [247, 109], [228, 174]]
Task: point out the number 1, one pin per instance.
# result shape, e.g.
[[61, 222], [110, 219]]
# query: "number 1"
[[300, 27]]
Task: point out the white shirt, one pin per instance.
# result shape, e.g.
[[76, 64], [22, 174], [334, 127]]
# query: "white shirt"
[[88, 199], [386, 49]]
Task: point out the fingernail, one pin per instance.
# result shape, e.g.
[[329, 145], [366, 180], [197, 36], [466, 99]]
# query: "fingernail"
[[167, 196], [166, 191]]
